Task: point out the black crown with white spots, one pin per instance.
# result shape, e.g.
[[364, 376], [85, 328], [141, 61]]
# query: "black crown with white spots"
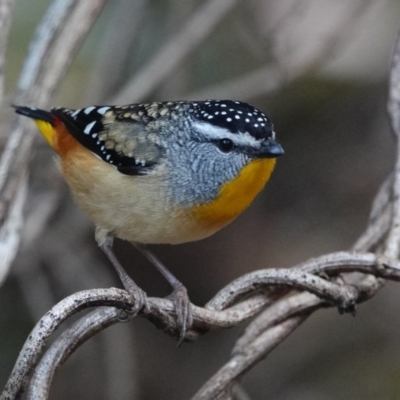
[[234, 116]]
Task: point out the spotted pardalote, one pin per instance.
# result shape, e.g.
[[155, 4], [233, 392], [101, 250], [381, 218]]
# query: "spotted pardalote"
[[168, 172]]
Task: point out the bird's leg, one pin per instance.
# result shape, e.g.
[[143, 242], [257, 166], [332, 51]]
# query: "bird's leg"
[[105, 242], [179, 294]]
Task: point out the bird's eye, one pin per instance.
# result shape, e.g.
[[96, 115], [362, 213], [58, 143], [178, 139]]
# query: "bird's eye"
[[225, 145]]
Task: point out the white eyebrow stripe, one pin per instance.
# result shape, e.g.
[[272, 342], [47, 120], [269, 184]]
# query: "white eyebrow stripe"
[[216, 133]]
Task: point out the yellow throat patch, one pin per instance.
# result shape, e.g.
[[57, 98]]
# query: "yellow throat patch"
[[236, 195]]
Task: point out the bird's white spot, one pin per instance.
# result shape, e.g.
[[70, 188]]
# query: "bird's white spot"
[[237, 117], [223, 113], [223, 105], [88, 110], [229, 119], [108, 156], [75, 113], [210, 117], [255, 125], [94, 135], [89, 127], [259, 119], [103, 110], [247, 120]]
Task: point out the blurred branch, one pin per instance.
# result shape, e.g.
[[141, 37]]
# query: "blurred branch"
[[379, 220], [393, 106], [6, 7], [174, 51], [9, 233], [273, 76], [263, 80], [113, 59], [56, 42]]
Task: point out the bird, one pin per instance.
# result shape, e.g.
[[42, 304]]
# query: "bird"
[[160, 173]]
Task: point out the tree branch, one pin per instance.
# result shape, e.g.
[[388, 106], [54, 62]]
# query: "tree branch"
[[34, 346], [82, 330], [162, 311]]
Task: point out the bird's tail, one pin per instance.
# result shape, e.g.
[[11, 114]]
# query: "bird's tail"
[[44, 120]]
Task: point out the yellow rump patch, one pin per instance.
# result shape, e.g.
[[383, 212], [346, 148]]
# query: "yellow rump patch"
[[47, 131], [236, 195]]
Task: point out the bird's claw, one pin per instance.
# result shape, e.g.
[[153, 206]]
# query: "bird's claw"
[[183, 309], [140, 299]]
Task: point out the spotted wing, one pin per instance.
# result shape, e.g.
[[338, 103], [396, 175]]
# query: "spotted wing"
[[113, 141]]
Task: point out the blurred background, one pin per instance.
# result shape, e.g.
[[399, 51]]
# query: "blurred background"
[[319, 70]]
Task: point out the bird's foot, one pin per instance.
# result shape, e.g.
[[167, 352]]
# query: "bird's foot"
[[140, 299], [183, 309]]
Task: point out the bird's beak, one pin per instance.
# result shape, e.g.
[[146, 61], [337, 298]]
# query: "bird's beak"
[[270, 149]]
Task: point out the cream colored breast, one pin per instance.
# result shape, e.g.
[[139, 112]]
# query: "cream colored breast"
[[134, 208]]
